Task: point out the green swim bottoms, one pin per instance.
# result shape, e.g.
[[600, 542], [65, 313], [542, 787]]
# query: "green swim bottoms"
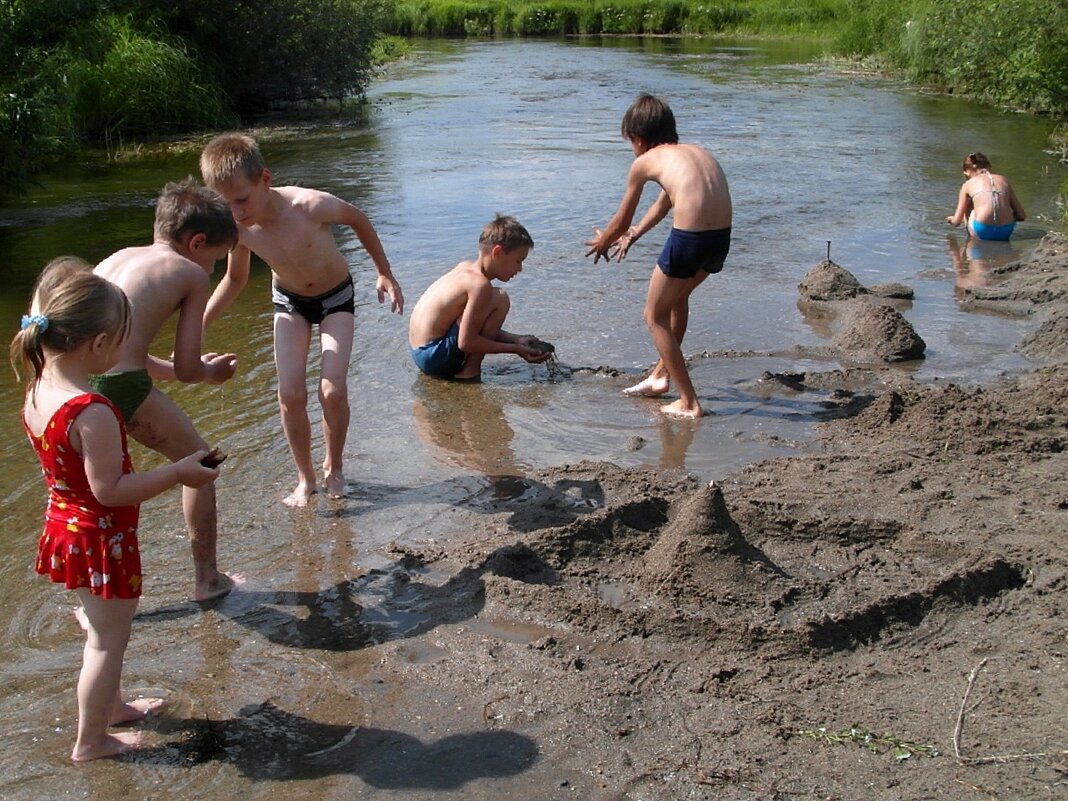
[[126, 390]]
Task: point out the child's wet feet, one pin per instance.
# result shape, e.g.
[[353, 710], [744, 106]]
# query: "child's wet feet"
[[336, 486], [135, 710], [109, 746], [679, 409], [220, 585], [651, 387], [300, 496]]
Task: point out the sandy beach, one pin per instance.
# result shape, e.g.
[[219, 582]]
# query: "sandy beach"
[[743, 640], [879, 616]]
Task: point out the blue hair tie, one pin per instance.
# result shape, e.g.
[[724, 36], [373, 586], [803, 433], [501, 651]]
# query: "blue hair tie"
[[34, 319]]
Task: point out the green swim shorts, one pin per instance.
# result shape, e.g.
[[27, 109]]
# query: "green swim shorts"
[[126, 390]]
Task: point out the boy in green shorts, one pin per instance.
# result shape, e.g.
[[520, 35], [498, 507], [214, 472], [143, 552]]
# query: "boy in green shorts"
[[193, 230]]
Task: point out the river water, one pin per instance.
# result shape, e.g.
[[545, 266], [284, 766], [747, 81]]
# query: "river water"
[[465, 130]]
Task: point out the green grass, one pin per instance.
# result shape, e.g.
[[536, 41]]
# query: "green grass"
[[613, 17]]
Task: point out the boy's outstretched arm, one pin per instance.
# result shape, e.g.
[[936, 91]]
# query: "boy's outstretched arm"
[[189, 366], [385, 284], [238, 264], [650, 220], [97, 431], [620, 222]]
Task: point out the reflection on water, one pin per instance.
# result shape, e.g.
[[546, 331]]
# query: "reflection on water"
[[289, 668], [466, 422], [974, 260]]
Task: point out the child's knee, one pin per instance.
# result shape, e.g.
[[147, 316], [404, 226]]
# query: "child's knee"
[[292, 396], [502, 302], [652, 320], [333, 392]]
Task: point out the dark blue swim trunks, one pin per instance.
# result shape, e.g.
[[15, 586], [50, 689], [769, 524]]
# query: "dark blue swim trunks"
[[686, 252], [341, 298], [441, 357]]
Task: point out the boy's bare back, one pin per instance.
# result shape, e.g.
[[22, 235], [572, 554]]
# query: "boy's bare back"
[[158, 282], [692, 179], [444, 302]]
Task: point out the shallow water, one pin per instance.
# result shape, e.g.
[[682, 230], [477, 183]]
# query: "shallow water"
[[466, 130]]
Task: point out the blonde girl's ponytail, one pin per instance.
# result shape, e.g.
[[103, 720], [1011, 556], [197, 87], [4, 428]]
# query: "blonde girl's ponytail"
[[70, 306]]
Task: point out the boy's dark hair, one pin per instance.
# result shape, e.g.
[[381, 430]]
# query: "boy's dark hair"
[[506, 232], [184, 207], [976, 161], [650, 119]]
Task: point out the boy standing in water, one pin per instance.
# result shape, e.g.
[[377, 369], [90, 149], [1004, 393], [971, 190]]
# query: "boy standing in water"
[[289, 228], [193, 230], [693, 184], [460, 317]]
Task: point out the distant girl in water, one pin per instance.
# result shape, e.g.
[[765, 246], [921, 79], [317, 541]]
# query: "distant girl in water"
[[76, 326], [986, 202]]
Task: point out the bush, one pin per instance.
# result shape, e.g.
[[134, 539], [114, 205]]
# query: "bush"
[[266, 52], [1015, 58], [143, 85], [715, 17]]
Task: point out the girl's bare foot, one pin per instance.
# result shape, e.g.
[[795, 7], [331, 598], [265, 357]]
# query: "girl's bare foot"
[[680, 409], [336, 485], [218, 586], [135, 710], [651, 387], [300, 496], [110, 745]]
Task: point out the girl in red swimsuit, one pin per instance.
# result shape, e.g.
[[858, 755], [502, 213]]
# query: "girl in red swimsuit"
[[75, 327]]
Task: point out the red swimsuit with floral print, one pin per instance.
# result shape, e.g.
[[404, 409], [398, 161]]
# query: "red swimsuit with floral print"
[[84, 544]]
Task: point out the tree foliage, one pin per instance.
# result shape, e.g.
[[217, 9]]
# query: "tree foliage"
[[99, 71]]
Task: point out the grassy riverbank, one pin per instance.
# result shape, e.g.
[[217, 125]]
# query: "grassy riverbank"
[[1014, 59], [101, 72]]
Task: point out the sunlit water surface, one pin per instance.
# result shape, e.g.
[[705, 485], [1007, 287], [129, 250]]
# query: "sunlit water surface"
[[465, 130]]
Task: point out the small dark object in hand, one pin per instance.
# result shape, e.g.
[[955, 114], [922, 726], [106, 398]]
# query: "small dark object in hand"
[[543, 346], [213, 459]]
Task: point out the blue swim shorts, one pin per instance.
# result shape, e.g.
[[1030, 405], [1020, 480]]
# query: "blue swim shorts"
[[999, 233], [686, 252], [441, 357], [341, 298]]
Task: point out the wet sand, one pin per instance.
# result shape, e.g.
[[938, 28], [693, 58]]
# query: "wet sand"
[[880, 615]]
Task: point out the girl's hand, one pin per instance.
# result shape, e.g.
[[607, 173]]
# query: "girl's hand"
[[191, 473]]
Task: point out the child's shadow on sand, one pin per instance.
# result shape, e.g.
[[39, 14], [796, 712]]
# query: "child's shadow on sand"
[[384, 605], [268, 743]]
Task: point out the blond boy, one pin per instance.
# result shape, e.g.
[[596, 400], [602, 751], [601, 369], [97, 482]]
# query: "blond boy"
[[290, 229], [693, 185], [459, 319], [193, 230]]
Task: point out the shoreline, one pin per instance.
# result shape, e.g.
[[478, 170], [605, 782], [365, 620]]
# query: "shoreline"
[[878, 616], [728, 641]]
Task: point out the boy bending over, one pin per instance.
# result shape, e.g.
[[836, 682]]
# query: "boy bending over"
[[289, 228], [193, 230], [693, 184], [459, 318]]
